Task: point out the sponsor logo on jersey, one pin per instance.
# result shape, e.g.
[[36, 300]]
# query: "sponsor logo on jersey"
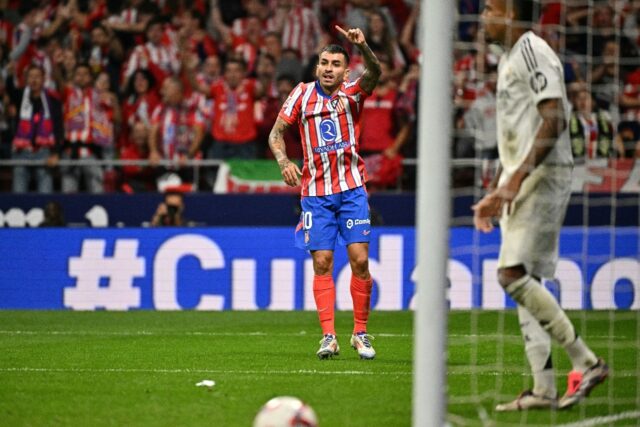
[[332, 147], [328, 130], [538, 82], [352, 222]]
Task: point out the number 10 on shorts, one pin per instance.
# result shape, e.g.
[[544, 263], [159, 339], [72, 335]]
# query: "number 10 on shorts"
[[307, 220]]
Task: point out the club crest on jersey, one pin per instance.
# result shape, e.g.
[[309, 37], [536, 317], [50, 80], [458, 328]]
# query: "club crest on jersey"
[[337, 104], [328, 130], [538, 82]]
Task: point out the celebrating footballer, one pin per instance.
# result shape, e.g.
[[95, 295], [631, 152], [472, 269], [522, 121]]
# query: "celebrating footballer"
[[334, 199]]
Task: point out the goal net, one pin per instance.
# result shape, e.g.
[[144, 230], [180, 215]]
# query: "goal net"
[[598, 276]]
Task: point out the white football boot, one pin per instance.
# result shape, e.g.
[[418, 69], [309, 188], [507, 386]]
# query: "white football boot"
[[590, 378], [361, 343], [328, 347]]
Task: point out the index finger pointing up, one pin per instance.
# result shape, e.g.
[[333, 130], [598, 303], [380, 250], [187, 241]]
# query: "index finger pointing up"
[[344, 33]]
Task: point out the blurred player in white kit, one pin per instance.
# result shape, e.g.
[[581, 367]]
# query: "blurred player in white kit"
[[530, 195]]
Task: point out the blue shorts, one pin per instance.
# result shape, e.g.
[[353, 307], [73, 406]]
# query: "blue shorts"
[[342, 217]]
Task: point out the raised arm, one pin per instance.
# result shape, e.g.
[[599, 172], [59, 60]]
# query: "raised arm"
[[289, 170], [369, 79]]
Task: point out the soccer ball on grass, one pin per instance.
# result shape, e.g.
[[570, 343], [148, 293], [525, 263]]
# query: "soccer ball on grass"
[[285, 411]]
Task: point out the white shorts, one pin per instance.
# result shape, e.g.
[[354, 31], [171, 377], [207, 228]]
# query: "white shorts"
[[530, 234]]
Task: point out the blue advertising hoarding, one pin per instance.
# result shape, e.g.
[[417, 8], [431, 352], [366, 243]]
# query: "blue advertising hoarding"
[[256, 268]]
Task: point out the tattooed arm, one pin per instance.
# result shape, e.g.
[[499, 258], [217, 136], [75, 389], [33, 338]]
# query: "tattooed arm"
[[369, 79], [289, 170]]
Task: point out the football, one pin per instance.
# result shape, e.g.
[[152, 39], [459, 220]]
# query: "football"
[[285, 411]]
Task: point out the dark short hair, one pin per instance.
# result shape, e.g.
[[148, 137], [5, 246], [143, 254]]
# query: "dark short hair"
[[201, 18], [525, 9], [268, 57], [156, 20], [236, 60], [148, 76], [336, 48], [34, 66], [83, 64], [288, 78]]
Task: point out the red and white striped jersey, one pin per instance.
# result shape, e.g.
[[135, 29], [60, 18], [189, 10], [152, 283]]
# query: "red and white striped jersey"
[[161, 60], [330, 133], [301, 31]]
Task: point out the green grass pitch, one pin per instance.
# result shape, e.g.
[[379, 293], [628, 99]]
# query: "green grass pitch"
[[140, 368]]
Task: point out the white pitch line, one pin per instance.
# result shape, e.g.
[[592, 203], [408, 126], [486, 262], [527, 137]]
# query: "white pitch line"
[[450, 371], [163, 333], [596, 421], [202, 371], [262, 333]]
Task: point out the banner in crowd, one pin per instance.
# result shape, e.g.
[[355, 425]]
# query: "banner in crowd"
[[607, 176], [251, 176], [252, 268], [593, 176]]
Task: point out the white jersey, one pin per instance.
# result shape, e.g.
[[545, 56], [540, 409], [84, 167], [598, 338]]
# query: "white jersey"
[[527, 74]]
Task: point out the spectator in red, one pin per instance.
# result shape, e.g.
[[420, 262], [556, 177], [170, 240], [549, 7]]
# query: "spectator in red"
[[197, 39], [627, 140], [83, 138], [87, 14], [64, 61], [249, 46], [408, 103], [384, 131], [106, 123], [210, 73], [5, 127], [381, 40], [272, 45], [177, 129], [409, 34], [132, 20], [107, 116], [240, 25], [141, 99], [6, 30], [332, 13], [480, 123], [300, 28], [161, 60], [265, 105], [245, 43], [266, 75], [234, 128], [630, 99], [105, 54], [22, 42], [285, 85], [137, 178], [38, 132]]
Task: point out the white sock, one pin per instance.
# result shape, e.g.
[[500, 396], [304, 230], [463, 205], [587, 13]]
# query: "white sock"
[[582, 358], [537, 345], [530, 293]]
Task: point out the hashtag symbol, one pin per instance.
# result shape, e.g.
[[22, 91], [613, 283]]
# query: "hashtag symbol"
[[119, 271]]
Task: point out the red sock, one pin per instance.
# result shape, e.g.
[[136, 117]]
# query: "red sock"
[[324, 292], [361, 296]]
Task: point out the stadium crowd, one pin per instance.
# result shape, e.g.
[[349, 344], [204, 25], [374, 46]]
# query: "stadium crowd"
[[170, 81]]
